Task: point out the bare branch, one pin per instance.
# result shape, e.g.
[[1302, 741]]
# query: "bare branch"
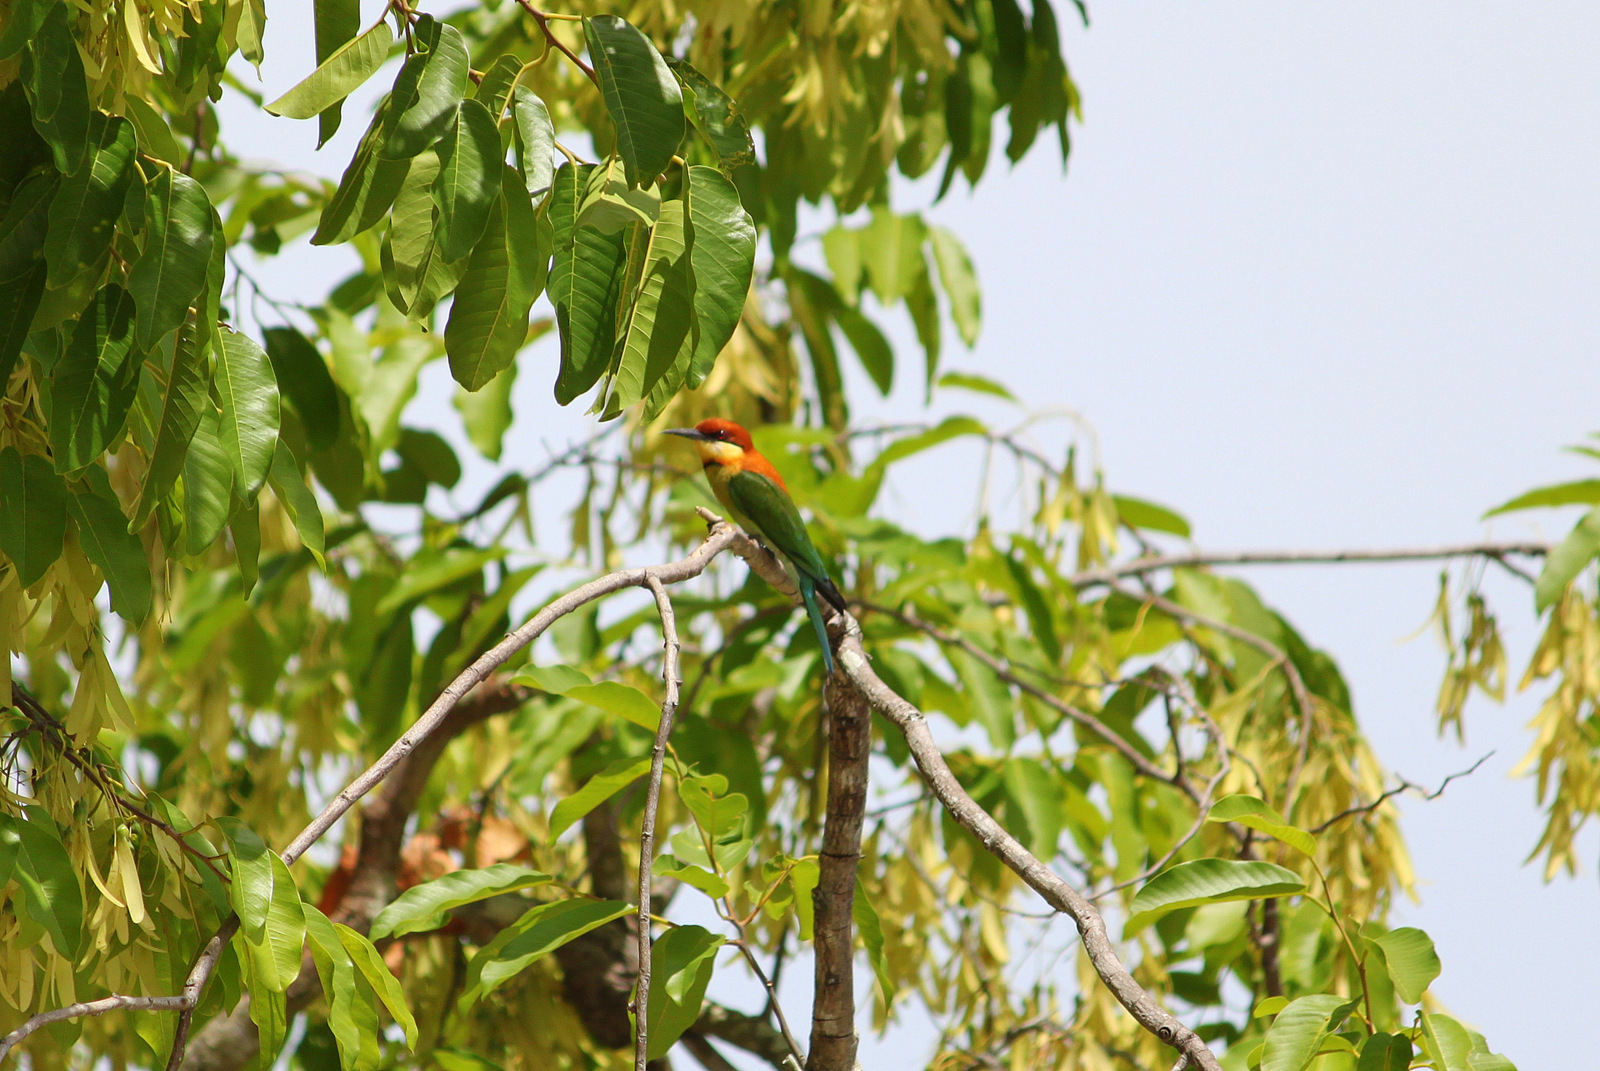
[[647, 831], [1403, 786], [1055, 891], [1156, 563], [92, 1007], [833, 1031]]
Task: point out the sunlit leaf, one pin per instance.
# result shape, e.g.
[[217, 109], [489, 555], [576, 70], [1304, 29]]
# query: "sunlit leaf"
[[247, 392], [642, 97], [585, 285], [537, 933], [424, 907], [338, 76], [468, 180], [1211, 881], [34, 522], [86, 205], [427, 90], [170, 272], [1252, 812], [599, 788]]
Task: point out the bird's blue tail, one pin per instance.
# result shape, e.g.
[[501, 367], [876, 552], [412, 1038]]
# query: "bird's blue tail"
[[808, 592]]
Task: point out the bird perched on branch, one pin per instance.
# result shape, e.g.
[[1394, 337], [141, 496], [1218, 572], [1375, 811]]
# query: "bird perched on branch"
[[751, 490]]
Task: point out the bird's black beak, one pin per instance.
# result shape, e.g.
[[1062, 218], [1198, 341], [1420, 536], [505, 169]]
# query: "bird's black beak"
[[688, 433]]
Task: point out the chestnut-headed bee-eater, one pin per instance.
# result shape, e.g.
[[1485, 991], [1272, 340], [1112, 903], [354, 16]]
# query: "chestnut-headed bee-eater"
[[751, 490]]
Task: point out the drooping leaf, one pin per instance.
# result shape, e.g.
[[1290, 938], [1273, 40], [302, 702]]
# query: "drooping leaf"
[[19, 301], [433, 572], [1385, 1052], [1567, 560], [34, 521], [723, 258], [382, 980], [599, 788], [172, 269], [642, 97], [276, 946], [1296, 1034], [104, 536], [1412, 962], [303, 377], [1446, 1043], [341, 74], [366, 190], [661, 324], [585, 285], [489, 318], [415, 272], [427, 90], [1211, 881], [250, 867], [54, 74], [874, 351], [1252, 812], [207, 482], [86, 205], [1138, 513], [610, 204], [26, 17], [486, 412], [247, 393], [682, 961], [536, 142], [94, 381], [537, 933], [960, 283], [716, 116], [299, 501], [424, 907], [975, 383], [352, 1007], [613, 697], [891, 253], [468, 180], [336, 23], [181, 406], [50, 891]]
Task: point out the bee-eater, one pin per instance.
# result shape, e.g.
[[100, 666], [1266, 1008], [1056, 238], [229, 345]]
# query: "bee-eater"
[[751, 490]]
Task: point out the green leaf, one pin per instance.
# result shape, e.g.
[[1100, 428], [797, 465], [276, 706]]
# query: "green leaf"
[[716, 810], [613, 697], [865, 916], [248, 395], [642, 97], [422, 104], [877, 357], [1412, 962], [1567, 560], [352, 1007], [298, 501], [468, 180], [50, 892], [537, 933], [716, 116], [1137, 513], [1252, 812], [1385, 1052], [104, 536], [1446, 1043], [424, 907], [94, 382], [336, 23], [494, 89], [960, 283], [723, 257], [181, 407], [1211, 881], [1488, 1061], [207, 482], [382, 980], [1578, 492], [338, 76], [303, 377], [599, 788], [366, 190], [170, 272], [19, 301], [661, 323], [53, 71], [250, 867], [486, 413], [1296, 1034], [489, 318], [268, 1006], [414, 270], [428, 574], [276, 947], [26, 18], [536, 141], [84, 212], [155, 136], [682, 961], [891, 251], [34, 522], [586, 281], [610, 204]]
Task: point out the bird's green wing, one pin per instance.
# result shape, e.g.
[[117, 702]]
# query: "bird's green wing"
[[772, 511]]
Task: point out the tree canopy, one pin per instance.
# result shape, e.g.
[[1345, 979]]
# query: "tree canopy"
[[291, 764]]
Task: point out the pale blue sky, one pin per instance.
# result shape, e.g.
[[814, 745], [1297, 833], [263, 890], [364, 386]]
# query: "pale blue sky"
[[1318, 276]]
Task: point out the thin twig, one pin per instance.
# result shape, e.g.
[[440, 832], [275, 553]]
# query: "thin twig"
[[1151, 564], [652, 800], [544, 25], [1403, 786]]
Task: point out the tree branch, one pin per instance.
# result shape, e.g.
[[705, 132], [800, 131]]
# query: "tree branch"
[[833, 1031], [92, 1007], [1156, 563], [647, 831], [543, 20]]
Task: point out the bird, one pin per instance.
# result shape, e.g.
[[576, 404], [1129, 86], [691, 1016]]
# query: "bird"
[[751, 490]]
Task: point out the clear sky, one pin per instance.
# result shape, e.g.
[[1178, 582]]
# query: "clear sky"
[[1318, 276]]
